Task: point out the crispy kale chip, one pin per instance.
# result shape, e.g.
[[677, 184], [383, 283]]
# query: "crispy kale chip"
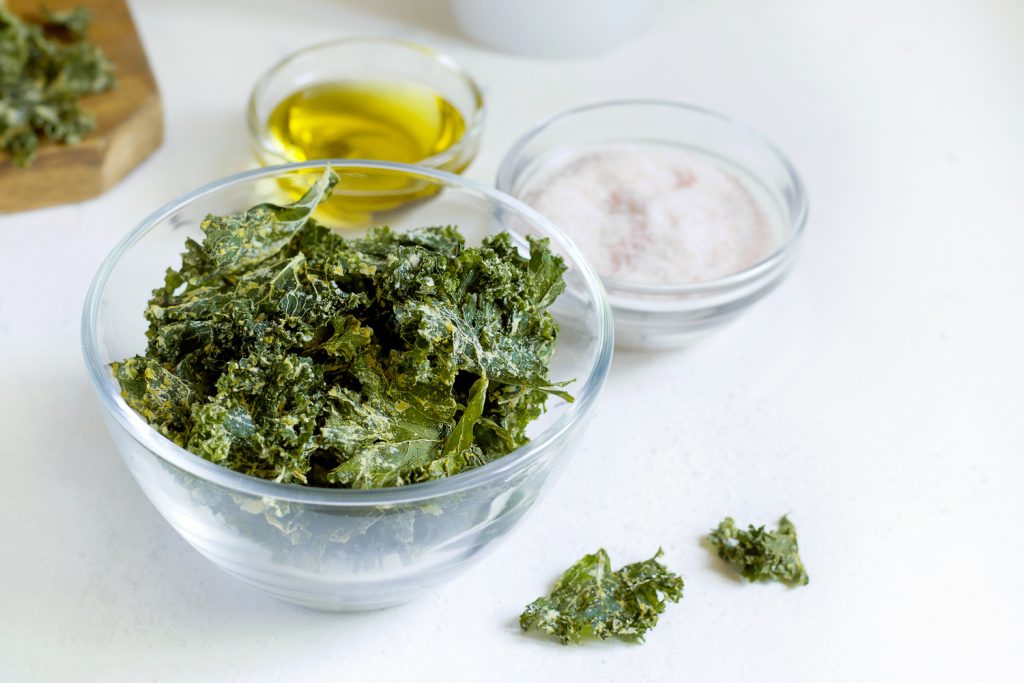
[[75, 21], [592, 600], [761, 555], [284, 351], [42, 78]]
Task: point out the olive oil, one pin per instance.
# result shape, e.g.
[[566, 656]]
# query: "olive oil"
[[379, 120], [396, 121]]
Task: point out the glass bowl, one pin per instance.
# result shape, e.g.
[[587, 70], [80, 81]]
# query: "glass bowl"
[[656, 316], [325, 548], [379, 61]]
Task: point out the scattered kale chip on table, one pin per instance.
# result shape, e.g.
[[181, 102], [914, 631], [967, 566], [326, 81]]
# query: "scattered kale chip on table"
[[591, 600], [285, 351], [761, 555], [44, 70]]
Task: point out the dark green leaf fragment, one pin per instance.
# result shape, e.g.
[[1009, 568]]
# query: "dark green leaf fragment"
[[162, 398], [243, 239], [761, 555], [592, 600], [263, 419], [281, 350], [42, 78]]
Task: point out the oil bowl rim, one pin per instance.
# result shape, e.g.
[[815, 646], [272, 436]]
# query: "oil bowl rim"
[[112, 401], [474, 118], [797, 211]]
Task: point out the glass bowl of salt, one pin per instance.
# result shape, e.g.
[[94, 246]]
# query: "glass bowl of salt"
[[689, 216]]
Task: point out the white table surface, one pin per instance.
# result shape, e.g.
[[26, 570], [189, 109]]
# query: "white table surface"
[[876, 397]]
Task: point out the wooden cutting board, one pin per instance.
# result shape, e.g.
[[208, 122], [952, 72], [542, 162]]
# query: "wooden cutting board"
[[129, 120]]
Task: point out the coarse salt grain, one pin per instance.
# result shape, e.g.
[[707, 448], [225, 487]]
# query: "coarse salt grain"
[[654, 214]]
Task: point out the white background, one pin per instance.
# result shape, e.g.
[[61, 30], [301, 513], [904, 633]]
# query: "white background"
[[876, 397]]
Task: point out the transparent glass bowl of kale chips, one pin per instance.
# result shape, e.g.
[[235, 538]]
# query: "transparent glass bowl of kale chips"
[[341, 549]]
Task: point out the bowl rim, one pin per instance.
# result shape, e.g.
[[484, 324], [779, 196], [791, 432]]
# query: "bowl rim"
[[474, 118], [797, 211], [138, 429]]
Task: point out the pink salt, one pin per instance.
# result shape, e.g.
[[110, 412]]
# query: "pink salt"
[[654, 214]]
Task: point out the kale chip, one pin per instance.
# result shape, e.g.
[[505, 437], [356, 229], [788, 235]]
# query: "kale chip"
[[284, 351], [42, 79], [592, 600], [761, 555]]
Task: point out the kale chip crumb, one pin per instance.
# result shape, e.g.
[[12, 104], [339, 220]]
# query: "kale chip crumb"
[[761, 555], [590, 600], [284, 351]]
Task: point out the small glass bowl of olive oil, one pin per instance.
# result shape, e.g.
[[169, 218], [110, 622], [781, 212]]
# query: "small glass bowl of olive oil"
[[368, 98]]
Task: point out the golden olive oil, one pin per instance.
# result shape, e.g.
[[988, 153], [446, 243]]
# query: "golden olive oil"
[[404, 122], [380, 120]]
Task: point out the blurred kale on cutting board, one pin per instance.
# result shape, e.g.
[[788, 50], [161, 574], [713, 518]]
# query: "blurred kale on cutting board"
[[44, 70]]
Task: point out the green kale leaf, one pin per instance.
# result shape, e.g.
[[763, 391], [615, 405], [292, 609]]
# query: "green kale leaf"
[[592, 600], [42, 78], [284, 351], [75, 21], [241, 240], [761, 555]]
